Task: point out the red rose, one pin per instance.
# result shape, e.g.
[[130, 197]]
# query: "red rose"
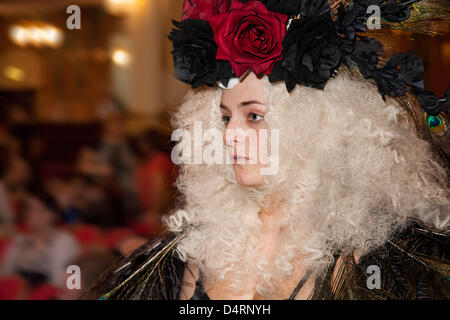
[[202, 9], [249, 36]]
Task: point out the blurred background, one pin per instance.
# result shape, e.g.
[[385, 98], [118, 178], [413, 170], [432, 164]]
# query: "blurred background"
[[85, 169]]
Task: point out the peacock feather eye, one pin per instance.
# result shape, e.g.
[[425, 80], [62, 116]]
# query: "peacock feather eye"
[[436, 123]]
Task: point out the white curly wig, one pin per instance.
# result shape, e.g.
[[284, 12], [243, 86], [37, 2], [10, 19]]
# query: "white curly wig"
[[351, 171]]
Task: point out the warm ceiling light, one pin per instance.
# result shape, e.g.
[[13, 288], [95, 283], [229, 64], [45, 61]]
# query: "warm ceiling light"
[[36, 34], [19, 35], [121, 57], [120, 6], [14, 74], [52, 36]]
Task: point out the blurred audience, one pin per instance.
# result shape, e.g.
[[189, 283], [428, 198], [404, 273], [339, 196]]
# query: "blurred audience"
[[6, 214], [155, 176], [41, 253], [112, 164], [103, 205]]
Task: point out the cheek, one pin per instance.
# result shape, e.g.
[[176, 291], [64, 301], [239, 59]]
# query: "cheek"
[[261, 138], [262, 146]]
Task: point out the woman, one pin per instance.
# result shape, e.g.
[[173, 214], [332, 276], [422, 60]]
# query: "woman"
[[42, 254], [349, 203], [155, 175]]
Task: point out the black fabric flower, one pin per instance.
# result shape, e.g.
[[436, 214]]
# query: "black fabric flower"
[[350, 20], [446, 104], [224, 72], [194, 54], [364, 4], [311, 50], [289, 7], [401, 70], [309, 8], [306, 8], [360, 9], [347, 48], [428, 101], [365, 55]]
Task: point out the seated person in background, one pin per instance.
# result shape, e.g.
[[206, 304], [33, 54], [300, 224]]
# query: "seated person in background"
[[155, 177], [63, 191], [112, 164], [16, 180], [6, 214], [95, 202], [40, 255]]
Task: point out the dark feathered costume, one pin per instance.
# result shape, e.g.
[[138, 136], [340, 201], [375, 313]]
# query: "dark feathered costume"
[[414, 264]]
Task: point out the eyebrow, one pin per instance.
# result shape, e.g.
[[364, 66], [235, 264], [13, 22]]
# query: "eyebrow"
[[243, 104]]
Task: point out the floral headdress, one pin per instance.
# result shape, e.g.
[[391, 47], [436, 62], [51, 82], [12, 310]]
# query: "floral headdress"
[[298, 42]]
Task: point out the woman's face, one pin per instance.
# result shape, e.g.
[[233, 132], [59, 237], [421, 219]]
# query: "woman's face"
[[243, 109]]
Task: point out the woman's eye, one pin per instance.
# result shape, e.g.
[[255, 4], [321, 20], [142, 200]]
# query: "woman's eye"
[[226, 119], [255, 117]]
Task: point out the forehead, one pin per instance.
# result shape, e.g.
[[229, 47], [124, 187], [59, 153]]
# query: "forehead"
[[251, 88]]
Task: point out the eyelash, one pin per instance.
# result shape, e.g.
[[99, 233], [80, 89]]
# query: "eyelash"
[[258, 115], [226, 119]]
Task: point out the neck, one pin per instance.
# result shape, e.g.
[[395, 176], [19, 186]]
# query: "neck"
[[270, 215]]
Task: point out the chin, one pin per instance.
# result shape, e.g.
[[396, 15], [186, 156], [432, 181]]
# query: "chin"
[[248, 176]]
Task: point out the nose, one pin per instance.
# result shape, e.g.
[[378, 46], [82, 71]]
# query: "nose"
[[231, 138], [233, 135]]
